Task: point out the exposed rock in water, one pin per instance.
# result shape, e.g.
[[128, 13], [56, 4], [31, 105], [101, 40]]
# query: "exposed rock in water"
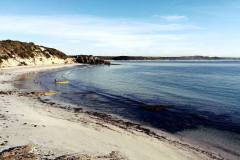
[[89, 59]]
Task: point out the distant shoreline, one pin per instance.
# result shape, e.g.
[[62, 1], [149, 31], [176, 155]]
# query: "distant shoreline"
[[166, 58]]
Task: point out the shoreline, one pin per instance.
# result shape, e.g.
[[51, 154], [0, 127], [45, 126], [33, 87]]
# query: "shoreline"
[[88, 133]]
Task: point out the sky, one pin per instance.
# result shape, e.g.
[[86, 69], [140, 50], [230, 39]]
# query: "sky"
[[126, 27]]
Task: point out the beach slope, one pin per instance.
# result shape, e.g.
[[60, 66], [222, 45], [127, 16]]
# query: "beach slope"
[[54, 132]]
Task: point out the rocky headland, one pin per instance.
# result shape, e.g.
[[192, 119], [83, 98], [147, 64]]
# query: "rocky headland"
[[89, 59], [16, 53]]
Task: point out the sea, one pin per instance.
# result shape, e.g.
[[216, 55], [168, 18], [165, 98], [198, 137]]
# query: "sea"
[[177, 97], [167, 95]]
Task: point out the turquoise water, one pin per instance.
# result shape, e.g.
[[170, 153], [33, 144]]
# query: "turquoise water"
[[169, 95]]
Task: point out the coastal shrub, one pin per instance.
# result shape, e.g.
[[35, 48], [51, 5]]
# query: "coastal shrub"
[[5, 57], [10, 49], [56, 53], [47, 55], [22, 64]]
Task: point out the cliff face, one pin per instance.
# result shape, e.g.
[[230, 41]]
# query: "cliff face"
[[16, 53]]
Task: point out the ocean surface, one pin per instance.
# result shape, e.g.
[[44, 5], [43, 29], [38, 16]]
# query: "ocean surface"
[[167, 95]]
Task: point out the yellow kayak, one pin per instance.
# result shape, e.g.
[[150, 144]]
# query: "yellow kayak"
[[50, 93], [61, 82]]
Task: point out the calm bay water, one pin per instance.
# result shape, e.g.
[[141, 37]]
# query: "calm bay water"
[[169, 95]]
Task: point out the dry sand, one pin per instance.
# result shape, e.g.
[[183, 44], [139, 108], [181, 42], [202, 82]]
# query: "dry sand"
[[55, 131]]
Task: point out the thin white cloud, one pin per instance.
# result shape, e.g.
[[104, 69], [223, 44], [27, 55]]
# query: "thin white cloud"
[[96, 35], [172, 17]]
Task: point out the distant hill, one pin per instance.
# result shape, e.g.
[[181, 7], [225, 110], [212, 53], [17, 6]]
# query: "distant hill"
[[16, 53], [165, 58]]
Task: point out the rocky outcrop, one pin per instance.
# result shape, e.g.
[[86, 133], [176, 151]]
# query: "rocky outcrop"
[[114, 155], [16, 53], [18, 153], [29, 152], [89, 59]]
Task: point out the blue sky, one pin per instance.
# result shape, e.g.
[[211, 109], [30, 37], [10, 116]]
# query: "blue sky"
[[126, 27]]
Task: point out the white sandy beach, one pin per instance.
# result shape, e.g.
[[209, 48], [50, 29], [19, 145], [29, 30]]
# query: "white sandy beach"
[[55, 131]]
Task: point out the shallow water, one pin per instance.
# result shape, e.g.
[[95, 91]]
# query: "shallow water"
[[169, 95]]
